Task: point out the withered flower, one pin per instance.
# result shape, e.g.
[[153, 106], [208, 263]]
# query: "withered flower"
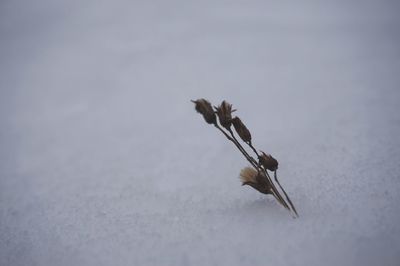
[[249, 176], [204, 107], [268, 161], [241, 129], [257, 175], [224, 112]]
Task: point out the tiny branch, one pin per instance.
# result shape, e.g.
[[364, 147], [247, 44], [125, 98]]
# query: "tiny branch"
[[237, 146], [283, 202], [255, 151], [286, 195], [241, 147]]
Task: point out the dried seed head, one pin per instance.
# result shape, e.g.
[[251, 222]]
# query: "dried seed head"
[[249, 176], [204, 107], [268, 161], [224, 112], [241, 129]]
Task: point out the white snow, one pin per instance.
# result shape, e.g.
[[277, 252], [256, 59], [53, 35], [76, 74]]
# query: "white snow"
[[103, 160]]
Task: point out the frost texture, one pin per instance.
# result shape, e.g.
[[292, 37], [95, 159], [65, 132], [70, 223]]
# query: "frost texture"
[[104, 162]]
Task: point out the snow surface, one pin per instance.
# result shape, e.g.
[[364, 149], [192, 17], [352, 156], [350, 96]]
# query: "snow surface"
[[103, 160]]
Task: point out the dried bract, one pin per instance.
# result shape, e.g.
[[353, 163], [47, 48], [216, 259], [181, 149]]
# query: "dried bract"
[[204, 107], [241, 129], [268, 161], [224, 112]]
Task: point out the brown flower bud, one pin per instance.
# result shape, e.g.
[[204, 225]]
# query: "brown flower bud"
[[224, 112], [268, 161], [204, 107], [249, 176], [241, 129]]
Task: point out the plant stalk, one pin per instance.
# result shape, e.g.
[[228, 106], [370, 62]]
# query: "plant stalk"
[[286, 195]]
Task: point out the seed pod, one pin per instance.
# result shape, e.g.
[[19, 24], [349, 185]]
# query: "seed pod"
[[204, 107], [241, 129], [249, 176], [224, 112], [268, 161]]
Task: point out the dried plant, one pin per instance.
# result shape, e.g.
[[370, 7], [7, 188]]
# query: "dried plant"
[[256, 176]]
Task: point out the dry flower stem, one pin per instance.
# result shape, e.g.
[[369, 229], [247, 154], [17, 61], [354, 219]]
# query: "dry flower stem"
[[238, 146], [275, 192], [280, 198], [255, 151], [254, 163], [273, 188], [286, 195], [241, 147], [263, 183]]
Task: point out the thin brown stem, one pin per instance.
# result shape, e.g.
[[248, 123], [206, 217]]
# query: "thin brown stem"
[[273, 191], [238, 146], [281, 200], [286, 195], [252, 147], [241, 147]]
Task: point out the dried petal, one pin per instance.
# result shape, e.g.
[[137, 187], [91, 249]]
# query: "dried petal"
[[241, 129], [224, 112], [268, 161], [248, 174], [204, 107]]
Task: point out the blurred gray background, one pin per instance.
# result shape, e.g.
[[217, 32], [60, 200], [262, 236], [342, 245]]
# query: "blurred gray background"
[[103, 160]]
